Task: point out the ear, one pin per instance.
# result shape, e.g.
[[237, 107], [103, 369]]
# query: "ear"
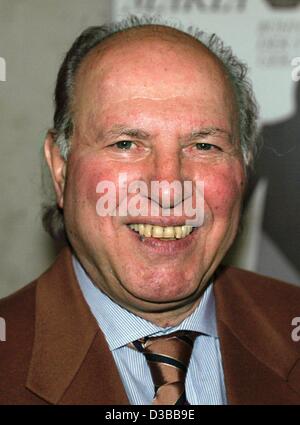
[[57, 167]]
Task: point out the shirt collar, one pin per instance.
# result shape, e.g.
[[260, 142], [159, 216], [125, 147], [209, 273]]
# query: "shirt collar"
[[121, 326]]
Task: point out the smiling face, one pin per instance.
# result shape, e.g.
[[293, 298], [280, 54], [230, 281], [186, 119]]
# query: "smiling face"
[[155, 105]]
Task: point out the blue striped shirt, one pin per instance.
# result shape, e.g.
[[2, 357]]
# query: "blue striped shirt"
[[205, 377]]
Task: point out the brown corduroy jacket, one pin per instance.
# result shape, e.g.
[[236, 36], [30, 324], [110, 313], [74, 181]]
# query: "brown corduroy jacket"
[[55, 353]]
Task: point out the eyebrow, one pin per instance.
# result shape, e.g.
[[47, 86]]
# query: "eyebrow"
[[208, 131], [122, 130]]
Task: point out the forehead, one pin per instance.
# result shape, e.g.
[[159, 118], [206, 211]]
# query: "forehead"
[[150, 63], [151, 58]]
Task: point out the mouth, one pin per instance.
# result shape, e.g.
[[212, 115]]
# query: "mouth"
[[164, 240], [163, 233]]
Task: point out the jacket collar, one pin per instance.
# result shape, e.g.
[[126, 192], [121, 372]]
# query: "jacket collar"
[[65, 331], [255, 335]]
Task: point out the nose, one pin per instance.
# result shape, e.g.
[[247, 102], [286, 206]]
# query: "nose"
[[167, 188]]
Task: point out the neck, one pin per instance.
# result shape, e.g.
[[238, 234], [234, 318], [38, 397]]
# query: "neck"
[[170, 318]]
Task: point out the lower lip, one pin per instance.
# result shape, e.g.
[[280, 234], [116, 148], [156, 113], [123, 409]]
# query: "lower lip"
[[166, 247]]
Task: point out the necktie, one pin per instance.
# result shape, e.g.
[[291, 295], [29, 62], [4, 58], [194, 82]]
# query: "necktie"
[[168, 359]]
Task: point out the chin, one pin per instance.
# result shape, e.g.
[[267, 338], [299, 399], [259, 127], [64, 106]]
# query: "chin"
[[164, 291]]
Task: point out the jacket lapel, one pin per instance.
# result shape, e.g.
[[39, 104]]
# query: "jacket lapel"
[[71, 362], [258, 354]]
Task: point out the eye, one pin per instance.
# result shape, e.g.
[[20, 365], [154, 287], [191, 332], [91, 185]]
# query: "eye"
[[124, 144], [205, 146]]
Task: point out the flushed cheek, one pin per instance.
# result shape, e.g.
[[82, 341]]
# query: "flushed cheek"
[[80, 203], [222, 192], [91, 179]]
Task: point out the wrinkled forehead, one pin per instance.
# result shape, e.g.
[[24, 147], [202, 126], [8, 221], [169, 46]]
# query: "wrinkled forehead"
[[151, 62]]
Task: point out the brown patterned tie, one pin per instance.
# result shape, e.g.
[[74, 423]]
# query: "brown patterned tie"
[[168, 358]]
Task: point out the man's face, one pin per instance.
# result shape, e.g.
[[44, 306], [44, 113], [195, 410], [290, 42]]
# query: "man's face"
[[167, 100]]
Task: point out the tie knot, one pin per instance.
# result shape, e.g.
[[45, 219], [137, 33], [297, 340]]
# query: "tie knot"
[[168, 359]]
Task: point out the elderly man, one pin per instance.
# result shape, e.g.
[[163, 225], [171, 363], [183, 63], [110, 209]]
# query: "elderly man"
[[137, 309]]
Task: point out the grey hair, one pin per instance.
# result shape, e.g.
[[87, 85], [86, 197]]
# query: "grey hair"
[[90, 38]]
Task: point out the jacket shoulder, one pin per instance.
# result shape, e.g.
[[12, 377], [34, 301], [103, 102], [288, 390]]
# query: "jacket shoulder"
[[257, 305], [257, 286], [19, 302], [17, 312]]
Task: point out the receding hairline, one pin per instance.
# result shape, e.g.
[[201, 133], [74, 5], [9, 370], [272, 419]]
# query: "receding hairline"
[[151, 31], [155, 32], [159, 33], [163, 32]]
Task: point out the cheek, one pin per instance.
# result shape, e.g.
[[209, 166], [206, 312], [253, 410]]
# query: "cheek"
[[83, 179], [223, 189], [84, 176], [81, 197]]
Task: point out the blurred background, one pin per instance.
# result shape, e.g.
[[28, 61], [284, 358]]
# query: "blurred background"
[[35, 35]]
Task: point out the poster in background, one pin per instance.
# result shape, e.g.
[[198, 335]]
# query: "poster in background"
[[266, 35]]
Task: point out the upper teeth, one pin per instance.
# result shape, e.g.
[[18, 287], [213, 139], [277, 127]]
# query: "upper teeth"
[[170, 232]]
